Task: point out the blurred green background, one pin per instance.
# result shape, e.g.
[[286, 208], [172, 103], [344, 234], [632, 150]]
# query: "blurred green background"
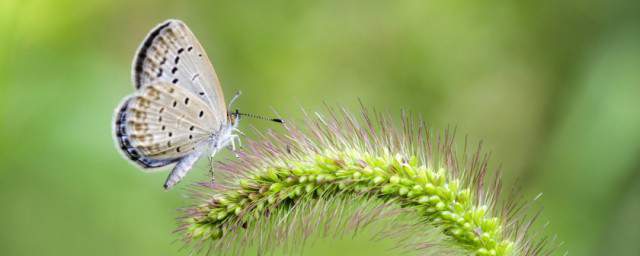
[[552, 87]]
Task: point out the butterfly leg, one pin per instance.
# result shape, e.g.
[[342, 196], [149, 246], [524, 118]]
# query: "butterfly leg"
[[239, 141], [215, 150], [239, 132], [211, 169], [237, 137], [233, 144]]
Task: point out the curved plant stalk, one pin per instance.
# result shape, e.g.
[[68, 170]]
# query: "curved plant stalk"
[[349, 162]]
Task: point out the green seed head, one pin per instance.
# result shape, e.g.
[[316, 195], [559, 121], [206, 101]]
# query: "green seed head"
[[282, 180]]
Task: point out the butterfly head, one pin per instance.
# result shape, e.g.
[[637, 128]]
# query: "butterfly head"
[[233, 117]]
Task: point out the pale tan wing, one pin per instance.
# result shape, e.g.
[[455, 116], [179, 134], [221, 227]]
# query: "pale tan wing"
[[162, 123], [171, 53]]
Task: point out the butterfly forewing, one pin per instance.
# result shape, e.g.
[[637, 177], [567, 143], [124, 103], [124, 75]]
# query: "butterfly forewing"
[[162, 123], [171, 53]]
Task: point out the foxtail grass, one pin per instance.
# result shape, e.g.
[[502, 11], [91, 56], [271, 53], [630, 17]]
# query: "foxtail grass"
[[340, 171]]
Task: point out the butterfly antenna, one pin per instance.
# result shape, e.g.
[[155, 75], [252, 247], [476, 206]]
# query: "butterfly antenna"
[[235, 97], [277, 120]]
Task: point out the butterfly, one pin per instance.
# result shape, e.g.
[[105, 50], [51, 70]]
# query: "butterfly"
[[177, 113]]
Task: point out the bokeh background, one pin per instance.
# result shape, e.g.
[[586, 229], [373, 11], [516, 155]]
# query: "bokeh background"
[[551, 87]]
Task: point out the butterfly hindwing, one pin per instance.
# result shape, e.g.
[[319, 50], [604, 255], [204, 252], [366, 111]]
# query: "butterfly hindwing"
[[162, 123], [171, 53]]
